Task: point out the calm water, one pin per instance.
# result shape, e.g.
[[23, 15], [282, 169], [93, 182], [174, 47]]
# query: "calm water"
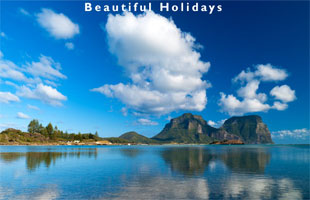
[[155, 172]]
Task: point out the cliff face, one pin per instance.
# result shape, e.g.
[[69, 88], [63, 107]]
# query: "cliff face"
[[251, 129], [190, 128]]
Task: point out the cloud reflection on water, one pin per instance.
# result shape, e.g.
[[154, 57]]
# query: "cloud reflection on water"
[[190, 172]]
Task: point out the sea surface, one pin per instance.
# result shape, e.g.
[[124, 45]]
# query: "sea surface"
[[155, 172]]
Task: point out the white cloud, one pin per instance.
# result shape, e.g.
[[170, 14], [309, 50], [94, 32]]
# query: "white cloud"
[[21, 115], [46, 68], [2, 34], [270, 73], [283, 93], [302, 134], [7, 97], [57, 24], [69, 45], [11, 71], [211, 123], [33, 107], [164, 68], [262, 72], [233, 106], [217, 123], [45, 93], [251, 100], [24, 12], [147, 122], [279, 106], [11, 84], [51, 83], [124, 111]]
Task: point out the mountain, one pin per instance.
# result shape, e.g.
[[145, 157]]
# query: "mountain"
[[134, 137], [190, 128], [250, 128]]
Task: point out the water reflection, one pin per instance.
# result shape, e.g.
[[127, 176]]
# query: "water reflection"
[[256, 187], [164, 188], [131, 152], [201, 172], [193, 161], [188, 160], [253, 160], [35, 159], [11, 156]]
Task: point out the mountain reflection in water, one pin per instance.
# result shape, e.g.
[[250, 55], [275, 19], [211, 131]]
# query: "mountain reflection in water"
[[188, 161], [155, 172], [194, 161]]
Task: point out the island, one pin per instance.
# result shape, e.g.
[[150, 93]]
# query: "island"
[[185, 129]]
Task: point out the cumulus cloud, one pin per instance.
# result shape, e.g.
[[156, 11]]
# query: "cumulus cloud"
[[21, 115], [34, 74], [42, 92], [32, 107], [251, 100], [11, 71], [283, 93], [69, 45], [57, 24], [302, 134], [262, 72], [279, 106], [146, 122], [216, 123], [164, 69], [211, 123], [7, 97], [46, 68]]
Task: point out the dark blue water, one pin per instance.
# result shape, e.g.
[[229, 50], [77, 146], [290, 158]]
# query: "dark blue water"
[[155, 172]]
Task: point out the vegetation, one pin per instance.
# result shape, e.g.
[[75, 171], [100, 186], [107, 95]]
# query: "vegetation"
[[117, 140], [37, 133], [136, 138], [186, 129]]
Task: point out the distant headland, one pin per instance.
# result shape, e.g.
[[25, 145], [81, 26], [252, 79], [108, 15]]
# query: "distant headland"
[[185, 129]]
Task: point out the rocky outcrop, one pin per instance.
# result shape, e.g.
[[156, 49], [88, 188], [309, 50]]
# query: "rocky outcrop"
[[251, 129], [190, 128], [228, 142]]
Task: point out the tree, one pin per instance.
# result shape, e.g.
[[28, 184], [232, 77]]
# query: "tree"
[[96, 134], [34, 126], [50, 129]]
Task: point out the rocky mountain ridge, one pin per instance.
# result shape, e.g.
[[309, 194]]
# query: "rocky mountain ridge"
[[189, 128]]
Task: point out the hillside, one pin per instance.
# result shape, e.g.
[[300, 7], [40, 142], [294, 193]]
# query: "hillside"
[[134, 137], [186, 129]]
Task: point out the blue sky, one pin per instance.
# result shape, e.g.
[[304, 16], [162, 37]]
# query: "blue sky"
[[88, 71]]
